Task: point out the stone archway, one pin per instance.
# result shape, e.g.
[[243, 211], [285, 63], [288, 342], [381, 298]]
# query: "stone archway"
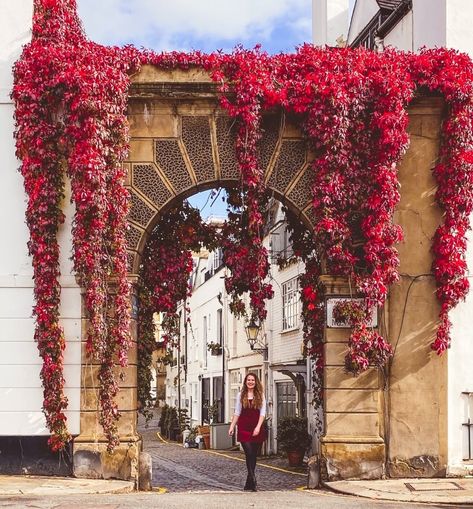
[[182, 143]]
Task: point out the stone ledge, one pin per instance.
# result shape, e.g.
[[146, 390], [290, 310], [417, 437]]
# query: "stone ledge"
[[396, 490], [48, 486]]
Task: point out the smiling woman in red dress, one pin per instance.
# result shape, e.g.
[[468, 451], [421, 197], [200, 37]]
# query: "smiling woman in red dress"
[[250, 411]]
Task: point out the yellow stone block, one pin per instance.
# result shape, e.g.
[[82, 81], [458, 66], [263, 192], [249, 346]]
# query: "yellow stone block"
[[352, 424], [126, 399], [335, 354], [359, 400], [337, 378], [141, 150]]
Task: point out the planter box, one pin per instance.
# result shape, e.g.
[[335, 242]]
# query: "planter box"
[[219, 438]]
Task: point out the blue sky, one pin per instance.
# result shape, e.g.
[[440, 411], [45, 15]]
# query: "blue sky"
[[279, 25]]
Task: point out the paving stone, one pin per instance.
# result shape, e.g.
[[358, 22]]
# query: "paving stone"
[[179, 469]]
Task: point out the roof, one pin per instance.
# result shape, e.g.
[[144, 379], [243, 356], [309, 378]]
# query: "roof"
[[389, 5]]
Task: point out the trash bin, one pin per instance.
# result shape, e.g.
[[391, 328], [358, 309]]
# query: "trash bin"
[[219, 438]]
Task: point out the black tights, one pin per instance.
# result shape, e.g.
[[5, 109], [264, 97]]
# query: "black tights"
[[251, 452]]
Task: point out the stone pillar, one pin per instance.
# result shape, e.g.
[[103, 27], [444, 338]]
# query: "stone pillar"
[[417, 425], [90, 456], [352, 446], [406, 429]]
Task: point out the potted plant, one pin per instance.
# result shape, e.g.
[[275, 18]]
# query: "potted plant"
[[214, 348], [172, 423], [293, 438], [204, 432], [163, 418]]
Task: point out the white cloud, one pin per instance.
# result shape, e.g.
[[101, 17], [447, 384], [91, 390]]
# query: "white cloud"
[[173, 24]]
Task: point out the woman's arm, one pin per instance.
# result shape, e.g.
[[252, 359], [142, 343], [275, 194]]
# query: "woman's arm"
[[262, 415], [233, 424], [236, 415], [257, 430]]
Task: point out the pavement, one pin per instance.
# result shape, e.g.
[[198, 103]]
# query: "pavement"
[[452, 491], [13, 485], [186, 472]]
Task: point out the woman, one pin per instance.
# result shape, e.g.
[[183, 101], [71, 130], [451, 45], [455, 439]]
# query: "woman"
[[250, 411]]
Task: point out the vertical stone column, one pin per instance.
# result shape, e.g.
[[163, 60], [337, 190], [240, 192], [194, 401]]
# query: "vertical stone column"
[[90, 456], [417, 424], [352, 445]]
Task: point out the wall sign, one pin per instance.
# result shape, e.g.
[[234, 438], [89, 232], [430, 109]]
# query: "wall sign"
[[334, 325]]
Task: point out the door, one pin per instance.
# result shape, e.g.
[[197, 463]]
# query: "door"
[[205, 399]]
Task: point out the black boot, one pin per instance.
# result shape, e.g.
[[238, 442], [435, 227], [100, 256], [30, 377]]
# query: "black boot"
[[253, 482], [249, 483]]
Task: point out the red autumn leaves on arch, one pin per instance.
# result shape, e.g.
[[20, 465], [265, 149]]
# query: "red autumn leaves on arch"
[[71, 95]]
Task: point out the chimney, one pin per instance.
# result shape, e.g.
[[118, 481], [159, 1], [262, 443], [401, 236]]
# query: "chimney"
[[330, 20]]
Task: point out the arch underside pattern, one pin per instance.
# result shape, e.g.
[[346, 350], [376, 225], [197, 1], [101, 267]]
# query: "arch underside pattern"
[[200, 155]]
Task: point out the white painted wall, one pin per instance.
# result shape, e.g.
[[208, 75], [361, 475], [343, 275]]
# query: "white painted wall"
[[459, 25], [460, 378], [329, 21], [401, 36], [429, 23], [20, 385], [362, 13]]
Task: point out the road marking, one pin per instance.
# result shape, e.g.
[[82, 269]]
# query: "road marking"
[[279, 469], [259, 464], [158, 434], [159, 490]]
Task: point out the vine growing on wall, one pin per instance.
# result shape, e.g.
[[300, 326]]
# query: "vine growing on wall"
[[166, 270], [71, 97]]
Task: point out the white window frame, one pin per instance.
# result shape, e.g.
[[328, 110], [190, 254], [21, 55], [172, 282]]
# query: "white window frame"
[[290, 304]]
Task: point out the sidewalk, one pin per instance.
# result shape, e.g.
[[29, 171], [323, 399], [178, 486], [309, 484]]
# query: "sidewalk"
[[436, 491], [12, 485], [430, 491]]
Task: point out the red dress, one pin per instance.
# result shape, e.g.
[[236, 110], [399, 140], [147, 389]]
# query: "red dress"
[[247, 422]]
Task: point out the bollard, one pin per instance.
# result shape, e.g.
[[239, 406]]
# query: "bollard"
[[145, 473], [313, 478]]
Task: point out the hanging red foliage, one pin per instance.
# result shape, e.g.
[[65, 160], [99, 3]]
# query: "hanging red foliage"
[[71, 97], [165, 272]]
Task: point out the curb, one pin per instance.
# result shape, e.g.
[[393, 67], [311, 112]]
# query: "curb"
[[59, 486], [373, 494]]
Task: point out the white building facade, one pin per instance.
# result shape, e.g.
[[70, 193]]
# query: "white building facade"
[[21, 393]]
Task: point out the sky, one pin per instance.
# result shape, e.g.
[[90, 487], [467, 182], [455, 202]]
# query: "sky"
[[208, 25]]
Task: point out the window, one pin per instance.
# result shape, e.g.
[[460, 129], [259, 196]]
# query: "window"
[[217, 259], [220, 327], [204, 340], [280, 246], [217, 396], [290, 304], [235, 379], [286, 399]]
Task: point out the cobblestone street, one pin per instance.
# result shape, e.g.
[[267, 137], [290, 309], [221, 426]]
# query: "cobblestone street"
[[178, 469]]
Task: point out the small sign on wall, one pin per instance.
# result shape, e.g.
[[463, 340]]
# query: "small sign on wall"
[[332, 302]]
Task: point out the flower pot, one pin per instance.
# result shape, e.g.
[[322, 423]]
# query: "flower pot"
[[295, 458], [206, 440]]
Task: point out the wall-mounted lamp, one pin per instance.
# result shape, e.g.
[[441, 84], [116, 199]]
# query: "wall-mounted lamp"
[[253, 330]]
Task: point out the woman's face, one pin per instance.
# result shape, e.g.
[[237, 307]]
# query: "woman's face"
[[250, 382]]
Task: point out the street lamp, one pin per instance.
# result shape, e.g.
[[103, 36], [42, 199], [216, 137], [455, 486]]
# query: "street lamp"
[[252, 332]]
